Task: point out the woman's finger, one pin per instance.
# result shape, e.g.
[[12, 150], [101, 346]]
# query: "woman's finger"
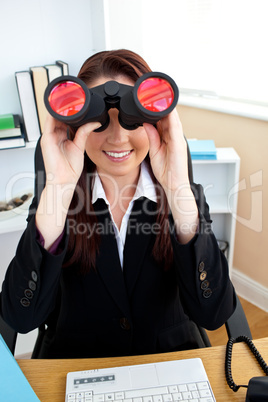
[[153, 137], [54, 130], [83, 132]]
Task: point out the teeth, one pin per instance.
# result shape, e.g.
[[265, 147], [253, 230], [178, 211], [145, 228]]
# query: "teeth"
[[117, 154]]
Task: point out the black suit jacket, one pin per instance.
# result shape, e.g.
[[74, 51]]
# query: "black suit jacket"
[[109, 311]]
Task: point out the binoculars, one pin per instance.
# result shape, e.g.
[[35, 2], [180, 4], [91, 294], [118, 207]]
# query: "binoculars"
[[153, 96]]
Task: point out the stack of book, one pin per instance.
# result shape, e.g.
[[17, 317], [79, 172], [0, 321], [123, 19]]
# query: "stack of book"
[[11, 132], [31, 85]]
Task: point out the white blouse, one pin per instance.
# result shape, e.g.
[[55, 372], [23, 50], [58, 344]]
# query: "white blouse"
[[145, 188]]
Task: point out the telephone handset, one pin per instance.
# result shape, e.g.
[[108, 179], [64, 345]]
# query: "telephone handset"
[[257, 386]]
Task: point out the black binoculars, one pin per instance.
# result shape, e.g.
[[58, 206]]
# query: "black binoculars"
[[153, 96]]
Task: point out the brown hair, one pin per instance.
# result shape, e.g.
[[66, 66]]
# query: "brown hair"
[[81, 250]]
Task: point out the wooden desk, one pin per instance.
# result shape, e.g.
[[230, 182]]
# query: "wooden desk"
[[48, 377]]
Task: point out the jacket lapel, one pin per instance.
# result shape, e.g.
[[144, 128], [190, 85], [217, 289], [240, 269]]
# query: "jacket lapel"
[[108, 263], [139, 237]]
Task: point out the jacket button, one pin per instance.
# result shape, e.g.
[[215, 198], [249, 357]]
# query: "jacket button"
[[201, 266], [124, 324], [203, 276], [204, 285], [25, 302], [28, 293], [32, 285], [207, 293], [34, 276]]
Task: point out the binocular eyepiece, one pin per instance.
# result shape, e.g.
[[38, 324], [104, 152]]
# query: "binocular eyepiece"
[[153, 96]]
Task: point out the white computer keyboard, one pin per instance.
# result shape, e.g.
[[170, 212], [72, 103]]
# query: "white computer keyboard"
[[195, 392]]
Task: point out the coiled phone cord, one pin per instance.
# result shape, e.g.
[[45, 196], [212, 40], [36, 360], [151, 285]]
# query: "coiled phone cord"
[[228, 358]]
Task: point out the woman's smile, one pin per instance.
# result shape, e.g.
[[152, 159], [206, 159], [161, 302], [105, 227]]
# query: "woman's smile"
[[118, 156]]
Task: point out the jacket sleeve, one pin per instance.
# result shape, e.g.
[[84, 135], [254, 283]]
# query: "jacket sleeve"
[[32, 279], [202, 272]]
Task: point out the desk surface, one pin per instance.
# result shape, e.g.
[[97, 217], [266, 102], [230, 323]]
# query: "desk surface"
[[48, 377]]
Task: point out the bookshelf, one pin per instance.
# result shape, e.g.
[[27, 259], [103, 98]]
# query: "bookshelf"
[[220, 180]]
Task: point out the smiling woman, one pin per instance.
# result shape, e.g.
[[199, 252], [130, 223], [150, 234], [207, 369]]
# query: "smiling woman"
[[119, 241]]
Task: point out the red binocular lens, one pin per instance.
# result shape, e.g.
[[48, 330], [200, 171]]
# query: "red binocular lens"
[[153, 96], [67, 98]]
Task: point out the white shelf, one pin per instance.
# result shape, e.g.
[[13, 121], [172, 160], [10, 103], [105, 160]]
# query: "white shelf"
[[218, 204], [14, 224], [17, 178], [219, 179]]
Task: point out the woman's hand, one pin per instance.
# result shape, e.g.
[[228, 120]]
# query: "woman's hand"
[[64, 158], [168, 157], [168, 153]]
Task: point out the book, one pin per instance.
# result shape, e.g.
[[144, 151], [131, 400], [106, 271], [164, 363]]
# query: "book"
[[28, 106], [7, 121], [16, 142], [13, 137], [40, 82], [14, 386], [53, 71], [10, 127], [64, 67], [202, 149]]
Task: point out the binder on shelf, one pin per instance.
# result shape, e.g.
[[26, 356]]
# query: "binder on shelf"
[[28, 106], [40, 82], [202, 149], [14, 386]]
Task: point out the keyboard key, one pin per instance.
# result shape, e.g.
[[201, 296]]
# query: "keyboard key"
[[147, 399], [202, 385], [177, 396], [98, 398], [205, 400], [109, 397], [167, 398], [195, 394], [146, 392], [186, 395], [182, 388], [173, 388], [157, 398], [137, 399], [192, 387], [119, 395], [204, 393]]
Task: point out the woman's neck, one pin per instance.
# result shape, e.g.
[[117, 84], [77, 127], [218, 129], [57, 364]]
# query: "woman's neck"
[[120, 189]]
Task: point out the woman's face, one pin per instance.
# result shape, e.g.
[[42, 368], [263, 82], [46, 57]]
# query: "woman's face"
[[116, 151]]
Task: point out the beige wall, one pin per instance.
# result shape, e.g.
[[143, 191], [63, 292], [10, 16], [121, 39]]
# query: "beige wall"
[[249, 137]]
